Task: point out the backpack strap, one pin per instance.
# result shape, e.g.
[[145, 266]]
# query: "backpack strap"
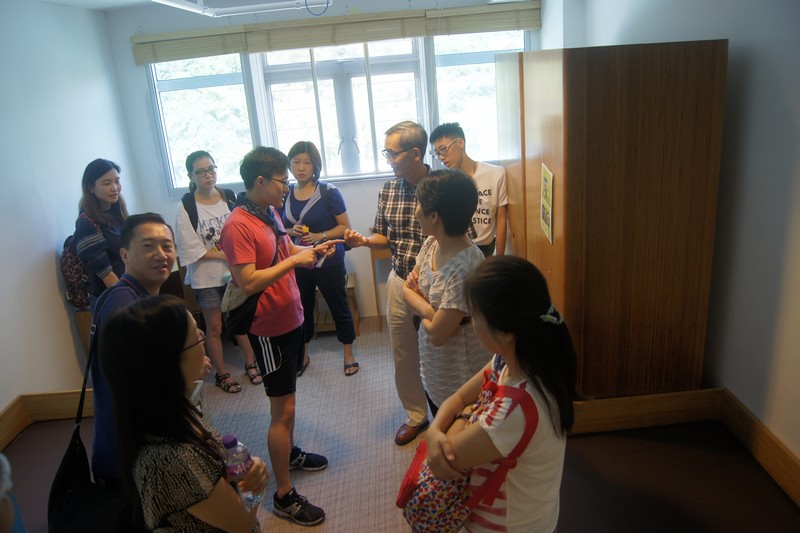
[[190, 205], [230, 197], [491, 487], [323, 192], [91, 221]]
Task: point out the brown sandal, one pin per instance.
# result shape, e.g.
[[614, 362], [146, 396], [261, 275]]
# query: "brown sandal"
[[255, 375], [228, 386]]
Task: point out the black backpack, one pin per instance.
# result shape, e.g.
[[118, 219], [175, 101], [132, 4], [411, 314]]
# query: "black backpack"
[[191, 206], [76, 277]]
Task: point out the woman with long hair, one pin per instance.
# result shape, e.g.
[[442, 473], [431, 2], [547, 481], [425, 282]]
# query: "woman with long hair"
[[314, 212], [172, 461], [515, 319], [98, 230], [201, 215]]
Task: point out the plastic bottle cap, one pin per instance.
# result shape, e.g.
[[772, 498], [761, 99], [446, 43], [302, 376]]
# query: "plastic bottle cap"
[[230, 440]]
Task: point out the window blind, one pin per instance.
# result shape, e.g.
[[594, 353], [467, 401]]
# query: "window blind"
[[309, 33]]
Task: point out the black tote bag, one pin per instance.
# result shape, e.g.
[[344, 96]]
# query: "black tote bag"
[[75, 504]]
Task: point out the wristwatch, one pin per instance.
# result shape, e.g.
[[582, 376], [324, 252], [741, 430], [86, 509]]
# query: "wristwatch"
[[324, 236]]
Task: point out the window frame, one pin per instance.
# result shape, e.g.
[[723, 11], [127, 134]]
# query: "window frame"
[[256, 76]]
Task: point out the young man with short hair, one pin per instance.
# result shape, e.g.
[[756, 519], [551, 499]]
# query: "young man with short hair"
[[262, 258], [491, 215]]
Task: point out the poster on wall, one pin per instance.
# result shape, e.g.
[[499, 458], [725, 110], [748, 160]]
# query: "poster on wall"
[[547, 203]]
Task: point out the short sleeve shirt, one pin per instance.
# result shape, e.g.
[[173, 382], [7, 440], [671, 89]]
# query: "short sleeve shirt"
[[395, 220], [445, 368], [172, 476], [246, 239], [193, 244], [532, 487], [321, 216], [492, 194]]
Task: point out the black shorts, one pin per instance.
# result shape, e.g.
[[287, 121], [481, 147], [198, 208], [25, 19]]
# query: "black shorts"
[[277, 359]]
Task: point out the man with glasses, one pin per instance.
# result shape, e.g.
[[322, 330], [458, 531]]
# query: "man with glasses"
[[396, 227], [490, 220], [262, 259]]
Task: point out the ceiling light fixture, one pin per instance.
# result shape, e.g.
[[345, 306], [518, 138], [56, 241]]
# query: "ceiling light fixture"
[[214, 12]]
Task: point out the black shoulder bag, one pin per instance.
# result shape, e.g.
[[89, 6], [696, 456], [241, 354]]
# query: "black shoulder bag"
[[75, 503]]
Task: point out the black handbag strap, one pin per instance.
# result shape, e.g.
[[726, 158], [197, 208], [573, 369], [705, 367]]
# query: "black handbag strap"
[[93, 349]]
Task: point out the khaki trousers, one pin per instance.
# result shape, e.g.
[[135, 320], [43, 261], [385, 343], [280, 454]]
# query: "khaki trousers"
[[405, 347]]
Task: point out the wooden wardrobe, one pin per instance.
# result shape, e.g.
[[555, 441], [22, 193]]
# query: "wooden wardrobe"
[[632, 135]]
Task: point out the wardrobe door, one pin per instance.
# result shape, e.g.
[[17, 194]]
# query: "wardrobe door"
[[632, 136]]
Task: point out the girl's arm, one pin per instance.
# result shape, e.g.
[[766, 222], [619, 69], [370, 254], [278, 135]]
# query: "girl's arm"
[[444, 457], [218, 254], [224, 509]]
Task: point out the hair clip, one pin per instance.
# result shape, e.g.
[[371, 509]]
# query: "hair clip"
[[552, 316]]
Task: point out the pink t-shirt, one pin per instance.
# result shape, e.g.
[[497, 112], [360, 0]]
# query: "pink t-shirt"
[[246, 239]]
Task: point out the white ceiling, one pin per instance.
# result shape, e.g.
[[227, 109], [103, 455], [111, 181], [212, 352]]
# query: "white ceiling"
[[118, 4], [99, 4]]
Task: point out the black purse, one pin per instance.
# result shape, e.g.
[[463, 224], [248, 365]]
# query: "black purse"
[[75, 504], [239, 319]]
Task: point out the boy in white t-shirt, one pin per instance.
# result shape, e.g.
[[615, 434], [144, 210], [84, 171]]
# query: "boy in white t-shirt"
[[490, 219]]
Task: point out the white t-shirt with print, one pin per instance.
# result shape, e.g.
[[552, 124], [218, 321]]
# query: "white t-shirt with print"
[[528, 500], [492, 194], [192, 245]]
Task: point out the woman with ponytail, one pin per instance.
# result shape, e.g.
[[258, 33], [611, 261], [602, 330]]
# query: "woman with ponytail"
[[515, 319]]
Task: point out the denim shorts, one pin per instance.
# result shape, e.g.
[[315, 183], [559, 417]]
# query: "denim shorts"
[[209, 298]]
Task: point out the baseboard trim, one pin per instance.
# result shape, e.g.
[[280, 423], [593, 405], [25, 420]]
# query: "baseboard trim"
[[29, 408], [781, 464], [610, 414], [650, 410], [13, 420], [634, 412]]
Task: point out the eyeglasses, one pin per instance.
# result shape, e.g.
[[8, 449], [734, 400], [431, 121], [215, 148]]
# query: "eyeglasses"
[[284, 183], [391, 155], [442, 152], [200, 340], [203, 172]]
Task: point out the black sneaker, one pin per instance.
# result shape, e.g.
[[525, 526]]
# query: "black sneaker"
[[310, 462], [297, 509]]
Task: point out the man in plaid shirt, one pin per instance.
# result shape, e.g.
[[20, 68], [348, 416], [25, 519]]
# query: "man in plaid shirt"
[[397, 227]]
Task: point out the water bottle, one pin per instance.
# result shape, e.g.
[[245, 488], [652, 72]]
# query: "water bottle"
[[237, 464]]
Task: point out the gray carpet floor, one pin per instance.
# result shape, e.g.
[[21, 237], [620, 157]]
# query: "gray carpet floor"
[[350, 420]]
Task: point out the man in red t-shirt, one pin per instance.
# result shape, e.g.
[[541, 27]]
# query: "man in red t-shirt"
[[263, 258]]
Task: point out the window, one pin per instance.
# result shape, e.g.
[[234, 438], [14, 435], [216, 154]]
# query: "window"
[[335, 94], [342, 98], [465, 83], [202, 106]]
